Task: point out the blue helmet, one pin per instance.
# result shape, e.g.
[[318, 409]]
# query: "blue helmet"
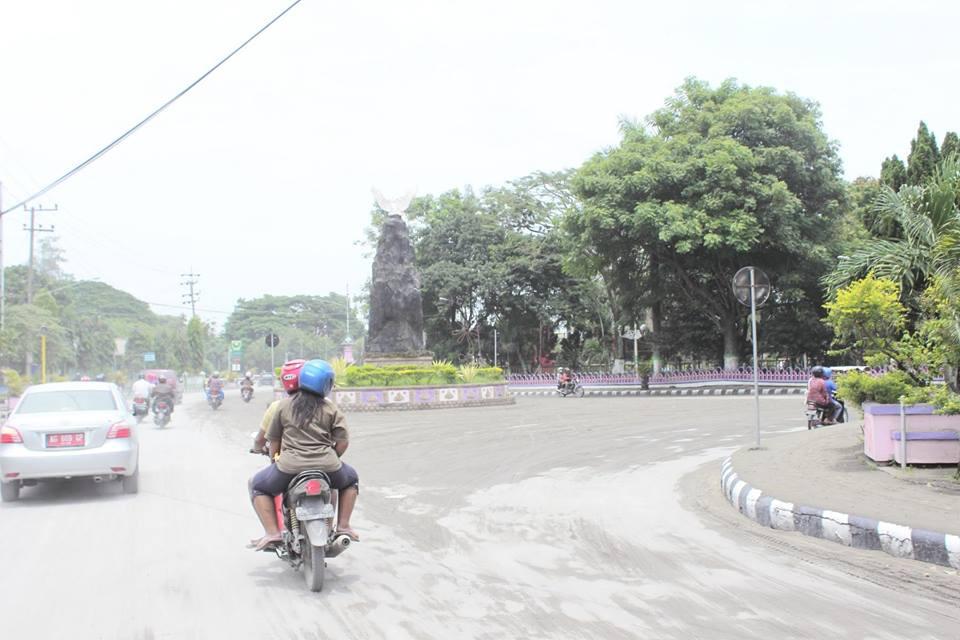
[[827, 372], [317, 376]]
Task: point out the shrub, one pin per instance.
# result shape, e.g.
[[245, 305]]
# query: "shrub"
[[438, 373], [468, 372], [14, 381], [857, 387], [339, 366]]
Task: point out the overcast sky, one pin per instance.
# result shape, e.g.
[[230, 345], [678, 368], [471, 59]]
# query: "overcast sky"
[[260, 178]]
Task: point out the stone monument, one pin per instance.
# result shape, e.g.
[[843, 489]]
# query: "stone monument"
[[395, 334]]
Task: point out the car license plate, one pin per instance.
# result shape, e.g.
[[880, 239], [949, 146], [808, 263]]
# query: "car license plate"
[[58, 440]]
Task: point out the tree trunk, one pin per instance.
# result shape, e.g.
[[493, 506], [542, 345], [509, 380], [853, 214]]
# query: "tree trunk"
[[653, 329], [731, 343]]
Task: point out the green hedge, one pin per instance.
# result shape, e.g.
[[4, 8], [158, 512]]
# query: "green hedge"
[[404, 375], [857, 387]]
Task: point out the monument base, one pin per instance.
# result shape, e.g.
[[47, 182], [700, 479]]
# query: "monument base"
[[423, 359]]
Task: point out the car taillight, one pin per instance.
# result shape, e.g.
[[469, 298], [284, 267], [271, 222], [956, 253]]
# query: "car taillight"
[[119, 430], [10, 435], [313, 487]]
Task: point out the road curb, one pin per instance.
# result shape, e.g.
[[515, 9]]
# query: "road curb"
[[898, 540], [697, 391]]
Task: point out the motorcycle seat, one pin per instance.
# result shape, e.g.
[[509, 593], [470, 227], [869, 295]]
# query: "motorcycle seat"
[[295, 485]]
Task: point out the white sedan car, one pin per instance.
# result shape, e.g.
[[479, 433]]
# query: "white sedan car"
[[69, 430]]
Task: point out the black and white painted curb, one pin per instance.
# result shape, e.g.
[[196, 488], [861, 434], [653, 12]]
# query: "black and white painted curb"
[[854, 531], [692, 391]]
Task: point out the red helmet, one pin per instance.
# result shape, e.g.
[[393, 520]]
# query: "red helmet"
[[290, 375]]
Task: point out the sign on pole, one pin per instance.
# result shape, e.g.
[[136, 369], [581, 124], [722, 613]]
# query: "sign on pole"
[[150, 356], [751, 286]]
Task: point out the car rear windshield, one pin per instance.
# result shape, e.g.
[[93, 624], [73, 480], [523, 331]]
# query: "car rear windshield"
[[55, 401]]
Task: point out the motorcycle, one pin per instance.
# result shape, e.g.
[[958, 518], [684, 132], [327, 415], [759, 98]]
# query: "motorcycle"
[[306, 513], [572, 388], [215, 399], [246, 393], [817, 414], [141, 407], [161, 412]]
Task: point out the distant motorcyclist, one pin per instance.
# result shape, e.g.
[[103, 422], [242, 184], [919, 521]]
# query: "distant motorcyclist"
[[214, 385], [564, 378], [141, 388], [818, 395], [162, 390], [247, 380], [831, 386]]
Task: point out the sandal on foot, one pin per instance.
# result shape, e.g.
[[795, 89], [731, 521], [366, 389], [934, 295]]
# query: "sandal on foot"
[[265, 542]]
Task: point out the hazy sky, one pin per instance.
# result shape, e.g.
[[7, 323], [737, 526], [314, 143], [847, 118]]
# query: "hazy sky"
[[260, 178]]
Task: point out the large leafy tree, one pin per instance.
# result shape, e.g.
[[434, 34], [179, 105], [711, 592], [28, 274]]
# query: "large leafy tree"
[[717, 179], [492, 264]]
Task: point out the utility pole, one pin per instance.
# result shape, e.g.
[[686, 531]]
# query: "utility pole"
[[34, 229], [191, 281]]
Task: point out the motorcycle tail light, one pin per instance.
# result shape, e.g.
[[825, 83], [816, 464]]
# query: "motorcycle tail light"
[[119, 430], [10, 435], [313, 487]]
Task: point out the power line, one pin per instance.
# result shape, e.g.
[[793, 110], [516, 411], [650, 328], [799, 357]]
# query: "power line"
[[96, 156]]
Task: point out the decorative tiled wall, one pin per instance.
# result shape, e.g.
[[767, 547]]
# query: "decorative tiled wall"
[[398, 398]]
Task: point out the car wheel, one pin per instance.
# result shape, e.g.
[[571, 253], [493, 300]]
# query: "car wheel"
[[131, 484], [10, 491]]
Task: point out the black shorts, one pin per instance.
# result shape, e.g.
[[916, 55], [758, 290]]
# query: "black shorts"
[[270, 481]]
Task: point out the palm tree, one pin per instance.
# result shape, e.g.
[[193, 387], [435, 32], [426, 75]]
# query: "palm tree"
[[917, 237]]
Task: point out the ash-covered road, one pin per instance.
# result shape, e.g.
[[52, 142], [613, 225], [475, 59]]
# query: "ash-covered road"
[[554, 518]]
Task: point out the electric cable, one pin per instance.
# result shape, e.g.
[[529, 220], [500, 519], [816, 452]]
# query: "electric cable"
[[96, 156]]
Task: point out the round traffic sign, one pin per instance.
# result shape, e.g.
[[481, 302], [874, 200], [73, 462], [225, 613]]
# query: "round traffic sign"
[[742, 286], [272, 339]]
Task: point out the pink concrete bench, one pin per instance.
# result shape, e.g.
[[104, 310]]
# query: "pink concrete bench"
[[928, 447]]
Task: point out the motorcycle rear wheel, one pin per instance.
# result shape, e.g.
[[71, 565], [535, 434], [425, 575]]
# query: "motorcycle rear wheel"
[[314, 564], [579, 391]]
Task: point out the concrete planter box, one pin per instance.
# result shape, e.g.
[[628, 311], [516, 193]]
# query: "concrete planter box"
[[928, 447], [426, 397], [881, 421]]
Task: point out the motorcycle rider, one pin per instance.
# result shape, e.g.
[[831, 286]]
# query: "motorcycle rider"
[[163, 390], [309, 432], [290, 378], [818, 395], [214, 385], [831, 385], [141, 388], [564, 378], [247, 382]]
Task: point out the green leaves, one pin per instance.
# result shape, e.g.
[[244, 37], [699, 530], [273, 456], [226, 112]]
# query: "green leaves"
[[721, 178]]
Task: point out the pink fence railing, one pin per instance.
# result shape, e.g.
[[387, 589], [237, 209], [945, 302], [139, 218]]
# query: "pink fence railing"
[[786, 376]]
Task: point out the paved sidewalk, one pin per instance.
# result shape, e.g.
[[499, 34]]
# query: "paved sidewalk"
[[820, 483]]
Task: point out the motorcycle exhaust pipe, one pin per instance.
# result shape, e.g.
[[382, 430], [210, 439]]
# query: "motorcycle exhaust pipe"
[[338, 546]]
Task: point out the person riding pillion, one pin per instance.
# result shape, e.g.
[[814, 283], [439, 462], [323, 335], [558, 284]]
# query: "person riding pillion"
[[309, 432]]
